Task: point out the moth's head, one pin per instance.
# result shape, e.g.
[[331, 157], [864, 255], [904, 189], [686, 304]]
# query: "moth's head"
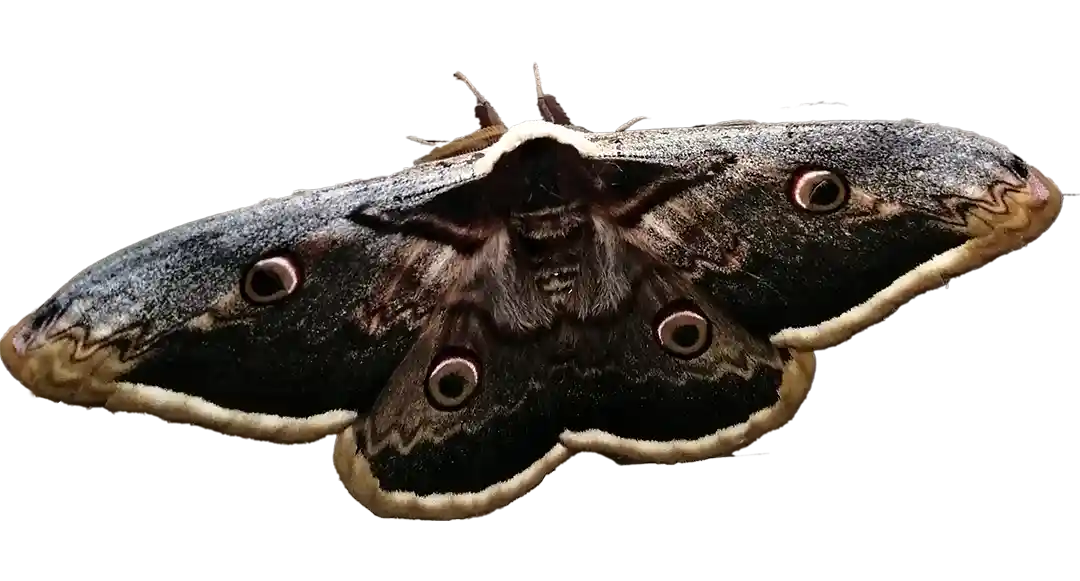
[[826, 228]]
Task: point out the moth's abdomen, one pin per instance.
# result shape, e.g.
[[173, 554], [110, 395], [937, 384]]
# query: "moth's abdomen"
[[548, 244]]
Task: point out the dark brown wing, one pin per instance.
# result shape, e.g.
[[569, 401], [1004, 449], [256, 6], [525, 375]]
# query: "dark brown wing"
[[605, 385]]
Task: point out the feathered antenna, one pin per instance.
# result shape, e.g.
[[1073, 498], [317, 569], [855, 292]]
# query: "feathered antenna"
[[485, 113]]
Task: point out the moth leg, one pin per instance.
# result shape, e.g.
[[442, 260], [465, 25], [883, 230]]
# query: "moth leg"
[[423, 141], [630, 123], [550, 110], [488, 124], [484, 110], [491, 125]]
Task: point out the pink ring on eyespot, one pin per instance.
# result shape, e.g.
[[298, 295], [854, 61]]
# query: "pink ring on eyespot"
[[807, 184], [283, 271]]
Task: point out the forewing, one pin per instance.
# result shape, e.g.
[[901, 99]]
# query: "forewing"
[[163, 327]]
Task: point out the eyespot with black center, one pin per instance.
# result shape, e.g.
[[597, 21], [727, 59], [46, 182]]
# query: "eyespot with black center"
[[453, 379], [683, 331], [271, 280], [819, 191]]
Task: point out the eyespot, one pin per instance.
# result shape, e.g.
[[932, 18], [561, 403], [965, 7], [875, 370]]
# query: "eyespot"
[[453, 379], [819, 191], [271, 279], [684, 333]]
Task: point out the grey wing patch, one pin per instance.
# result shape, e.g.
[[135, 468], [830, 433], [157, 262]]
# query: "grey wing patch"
[[166, 327]]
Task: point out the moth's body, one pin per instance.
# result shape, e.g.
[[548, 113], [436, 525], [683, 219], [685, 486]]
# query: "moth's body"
[[469, 323], [551, 244]]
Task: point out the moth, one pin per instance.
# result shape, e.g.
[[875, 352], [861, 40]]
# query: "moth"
[[526, 293]]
